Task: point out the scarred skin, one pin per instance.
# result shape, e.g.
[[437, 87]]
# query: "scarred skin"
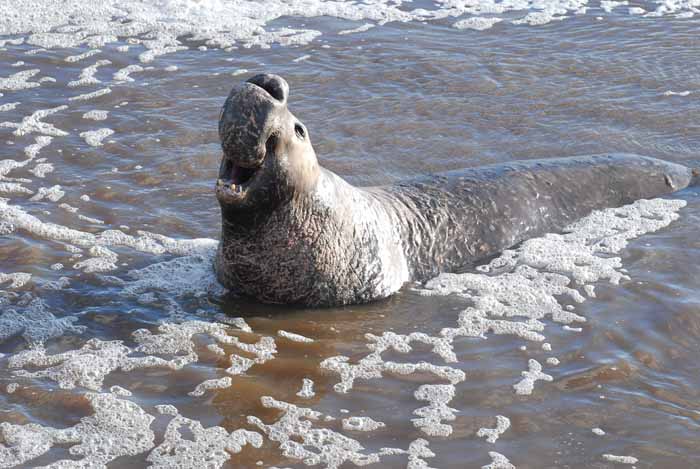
[[295, 233]]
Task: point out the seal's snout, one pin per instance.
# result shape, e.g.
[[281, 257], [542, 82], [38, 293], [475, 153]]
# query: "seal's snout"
[[275, 85], [252, 118]]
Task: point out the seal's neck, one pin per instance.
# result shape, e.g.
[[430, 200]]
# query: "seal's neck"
[[336, 244]]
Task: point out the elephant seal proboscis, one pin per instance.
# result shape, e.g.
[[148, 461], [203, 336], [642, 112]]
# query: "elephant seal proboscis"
[[294, 232]]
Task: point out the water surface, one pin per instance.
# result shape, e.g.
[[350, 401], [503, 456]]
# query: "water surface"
[[394, 101]]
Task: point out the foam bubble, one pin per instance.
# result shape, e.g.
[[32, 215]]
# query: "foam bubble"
[[432, 416], [598, 431], [34, 322], [123, 74], [498, 461], [16, 279], [620, 459], [8, 106], [19, 81], [477, 23], [307, 389], [42, 169], [14, 188], [94, 137], [373, 366], [117, 428], [93, 95], [87, 75], [676, 93], [609, 5], [294, 337], [298, 439], [210, 384], [34, 124], [359, 29], [84, 55], [96, 115], [492, 434], [534, 373], [203, 447], [361, 424], [53, 193]]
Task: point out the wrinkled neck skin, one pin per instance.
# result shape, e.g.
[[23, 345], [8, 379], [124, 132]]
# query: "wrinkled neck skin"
[[334, 244]]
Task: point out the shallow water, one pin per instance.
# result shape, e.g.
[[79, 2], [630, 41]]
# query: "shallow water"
[[394, 101]]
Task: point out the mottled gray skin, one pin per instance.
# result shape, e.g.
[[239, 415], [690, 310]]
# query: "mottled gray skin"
[[294, 232]]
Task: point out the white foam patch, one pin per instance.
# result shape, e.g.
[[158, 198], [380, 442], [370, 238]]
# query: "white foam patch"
[[598, 431], [16, 279], [432, 416], [373, 366], [94, 138], [8, 106], [210, 384], [533, 374], [171, 347], [93, 95], [120, 391], [361, 424], [197, 249], [117, 428], [19, 81], [199, 447], [492, 434], [123, 74], [87, 75], [34, 322], [40, 142], [14, 188], [299, 439], [34, 124], [359, 29], [498, 461], [187, 275], [103, 260], [477, 23], [295, 337], [71, 24], [84, 55], [621, 459], [94, 221], [609, 5], [42, 169], [96, 115], [307, 389], [676, 93], [53, 193]]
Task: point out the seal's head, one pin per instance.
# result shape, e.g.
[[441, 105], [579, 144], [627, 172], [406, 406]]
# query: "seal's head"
[[268, 159]]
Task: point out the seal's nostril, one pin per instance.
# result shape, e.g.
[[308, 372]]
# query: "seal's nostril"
[[275, 85]]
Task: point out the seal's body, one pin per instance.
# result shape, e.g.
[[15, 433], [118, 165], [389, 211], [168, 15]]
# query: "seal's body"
[[294, 232]]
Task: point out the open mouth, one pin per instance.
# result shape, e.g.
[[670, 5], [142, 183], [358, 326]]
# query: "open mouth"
[[235, 179]]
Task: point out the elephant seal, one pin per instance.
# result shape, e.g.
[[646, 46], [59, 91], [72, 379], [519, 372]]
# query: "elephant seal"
[[295, 233]]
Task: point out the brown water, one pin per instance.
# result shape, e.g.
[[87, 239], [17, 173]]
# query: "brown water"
[[399, 100]]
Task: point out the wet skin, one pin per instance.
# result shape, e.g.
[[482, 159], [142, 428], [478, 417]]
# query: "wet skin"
[[295, 233]]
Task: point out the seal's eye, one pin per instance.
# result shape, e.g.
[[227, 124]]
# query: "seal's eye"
[[299, 131]]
